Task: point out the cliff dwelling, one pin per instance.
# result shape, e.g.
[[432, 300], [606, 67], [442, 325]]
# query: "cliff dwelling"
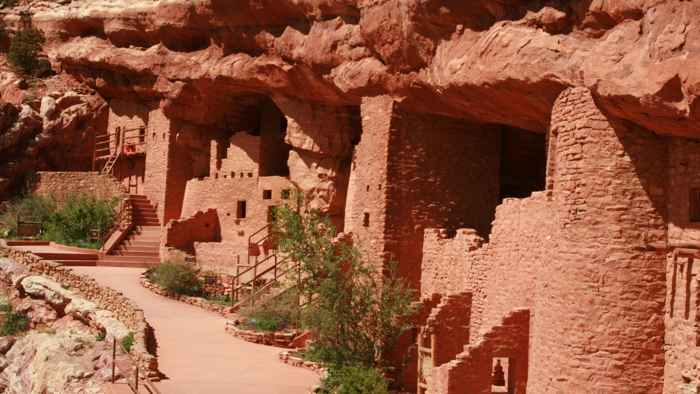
[[531, 169]]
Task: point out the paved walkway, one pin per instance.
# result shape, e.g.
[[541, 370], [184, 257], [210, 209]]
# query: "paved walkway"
[[196, 354]]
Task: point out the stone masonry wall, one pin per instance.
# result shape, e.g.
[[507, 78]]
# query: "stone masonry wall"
[[61, 185], [600, 303], [684, 176]]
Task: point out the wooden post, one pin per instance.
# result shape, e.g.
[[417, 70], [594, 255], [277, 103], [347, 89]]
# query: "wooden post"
[[136, 378], [252, 286], [114, 356]]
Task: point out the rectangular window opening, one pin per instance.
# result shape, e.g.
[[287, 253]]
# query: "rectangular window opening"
[[365, 220], [267, 194], [286, 193], [499, 375], [695, 205], [241, 209]]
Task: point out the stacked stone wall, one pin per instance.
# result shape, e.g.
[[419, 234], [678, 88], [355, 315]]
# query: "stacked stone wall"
[[61, 185], [600, 302]]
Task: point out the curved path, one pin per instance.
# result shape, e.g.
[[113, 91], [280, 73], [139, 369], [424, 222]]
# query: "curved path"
[[195, 353]]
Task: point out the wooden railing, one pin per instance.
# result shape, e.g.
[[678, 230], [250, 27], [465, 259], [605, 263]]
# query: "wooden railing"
[[110, 146], [134, 381]]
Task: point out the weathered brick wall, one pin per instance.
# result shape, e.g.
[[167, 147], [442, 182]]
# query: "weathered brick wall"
[[158, 140], [128, 115], [449, 322], [406, 182], [447, 261], [471, 371], [242, 156], [222, 195], [598, 311], [684, 175], [61, 185], [682, 322], [181, 234]]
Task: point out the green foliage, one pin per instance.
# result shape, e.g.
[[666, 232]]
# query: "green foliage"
[[276, 314], [14, 323], [219, 299], [357, 313], [25, 46], [100, 336], [128, 342], [354, 380], [176, 278], [71, 225], [8, 3]]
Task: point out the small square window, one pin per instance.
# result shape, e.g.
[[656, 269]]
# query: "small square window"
[[250, 175], [267, 194], [286, 193], [365, 220], [241, 209], [695, 205]]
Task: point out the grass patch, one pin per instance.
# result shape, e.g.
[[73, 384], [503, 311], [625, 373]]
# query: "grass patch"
[[354, 380], [279, 313], [14, 323], [128, 342], [100, 336]]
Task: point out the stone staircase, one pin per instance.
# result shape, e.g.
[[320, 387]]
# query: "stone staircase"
[[141, 247]]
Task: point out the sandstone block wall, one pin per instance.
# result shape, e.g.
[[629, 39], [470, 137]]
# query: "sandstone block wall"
[[61, 185], [684, 179], [598, 312]]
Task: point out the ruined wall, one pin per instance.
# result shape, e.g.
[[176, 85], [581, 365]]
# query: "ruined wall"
[[447, 260], [182, 234], [159, 139], [684, 177], [222, 195], [242, 157], [599, 309], [61, 185], [411, 172]]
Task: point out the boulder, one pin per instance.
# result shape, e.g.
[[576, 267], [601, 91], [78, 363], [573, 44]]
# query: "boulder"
[[38, 311]]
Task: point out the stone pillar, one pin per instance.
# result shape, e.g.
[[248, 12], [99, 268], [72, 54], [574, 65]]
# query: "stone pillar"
[[598, 325]]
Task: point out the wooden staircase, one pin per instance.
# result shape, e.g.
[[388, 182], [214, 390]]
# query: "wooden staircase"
[[141, 247]]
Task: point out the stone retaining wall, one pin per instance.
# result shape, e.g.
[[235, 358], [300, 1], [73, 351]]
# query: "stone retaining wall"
[[106, 298], [224, 310]]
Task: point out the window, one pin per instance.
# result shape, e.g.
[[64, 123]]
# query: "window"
[[695, 204], [499, 375], [267, 194], [142, 134], [241, 209], [365, 220], [286, 193]]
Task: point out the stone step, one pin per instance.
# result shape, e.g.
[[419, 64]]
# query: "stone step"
[[146, 222], [126, 264], [136, 253], [135, 259], [131, 248], [66, 256], [77, 263]]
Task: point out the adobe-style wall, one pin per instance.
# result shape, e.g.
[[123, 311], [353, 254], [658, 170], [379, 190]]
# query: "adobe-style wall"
[[128, 115], [406, 182], [683, 176], [600, 303], [61, 185], [222, 195]]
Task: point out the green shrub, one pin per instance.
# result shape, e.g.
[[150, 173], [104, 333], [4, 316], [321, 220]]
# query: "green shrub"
[[14, 323], [72, 224], [25, 46], [219, 299], [128, 342], [100, 336], [354, 380], [176, 278], [276, 314]]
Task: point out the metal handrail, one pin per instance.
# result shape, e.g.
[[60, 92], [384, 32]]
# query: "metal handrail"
[[251, 297], [134, 386]]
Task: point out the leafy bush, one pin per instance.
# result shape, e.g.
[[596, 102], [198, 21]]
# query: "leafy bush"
[[219, 299], [75, 220], [357, 313], [176, 278], [276, 314], [71, 224], [25, 46], [128, 342], [14, 323], [100, 336], [354, 380]]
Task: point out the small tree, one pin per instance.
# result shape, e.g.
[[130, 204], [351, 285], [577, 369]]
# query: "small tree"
[[25, 46], [357, 312]]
